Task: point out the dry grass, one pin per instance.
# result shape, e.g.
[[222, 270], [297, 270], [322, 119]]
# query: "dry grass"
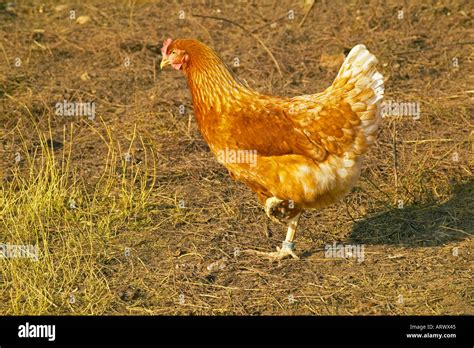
[[131, 248], [45, 203]]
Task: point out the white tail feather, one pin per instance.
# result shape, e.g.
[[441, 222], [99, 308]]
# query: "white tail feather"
[[359, 69]]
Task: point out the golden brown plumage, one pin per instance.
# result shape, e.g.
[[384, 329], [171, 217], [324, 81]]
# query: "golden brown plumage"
[[308, 148]]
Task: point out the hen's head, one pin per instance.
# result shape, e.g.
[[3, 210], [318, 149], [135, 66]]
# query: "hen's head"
[[173, 55]]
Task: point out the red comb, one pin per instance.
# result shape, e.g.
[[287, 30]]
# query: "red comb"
[[166, 43]]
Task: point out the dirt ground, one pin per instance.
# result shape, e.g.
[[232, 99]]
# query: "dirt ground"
[[158, 225]]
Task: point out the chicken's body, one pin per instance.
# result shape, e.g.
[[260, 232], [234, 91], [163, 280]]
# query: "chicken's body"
[[308, 149]]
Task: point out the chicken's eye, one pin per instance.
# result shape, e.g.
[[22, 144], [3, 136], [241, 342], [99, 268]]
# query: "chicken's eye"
[[174, 52]]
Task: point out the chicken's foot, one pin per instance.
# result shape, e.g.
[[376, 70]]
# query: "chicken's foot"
[[287, 248]]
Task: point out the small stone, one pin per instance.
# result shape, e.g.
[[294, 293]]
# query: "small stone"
[[60, 8], [83, 19], [85, 77]]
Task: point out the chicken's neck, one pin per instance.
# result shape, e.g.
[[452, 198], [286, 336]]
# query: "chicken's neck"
[[214, 88]]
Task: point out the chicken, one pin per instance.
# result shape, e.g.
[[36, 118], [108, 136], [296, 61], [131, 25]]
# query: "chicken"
[[300, 153]]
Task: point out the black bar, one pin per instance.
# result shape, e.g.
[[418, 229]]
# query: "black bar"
[[292, 331]]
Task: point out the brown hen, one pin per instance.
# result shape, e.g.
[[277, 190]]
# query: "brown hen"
[[295, 153]]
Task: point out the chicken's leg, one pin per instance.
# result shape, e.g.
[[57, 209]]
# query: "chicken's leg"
[[287, 247]]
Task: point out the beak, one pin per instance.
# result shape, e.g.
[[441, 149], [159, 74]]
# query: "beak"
[[164, 62]]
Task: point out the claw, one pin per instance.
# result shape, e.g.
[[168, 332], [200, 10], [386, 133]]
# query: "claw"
[[280, 254]]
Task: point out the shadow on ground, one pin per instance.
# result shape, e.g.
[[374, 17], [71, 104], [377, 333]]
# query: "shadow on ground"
[[419, 225]]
